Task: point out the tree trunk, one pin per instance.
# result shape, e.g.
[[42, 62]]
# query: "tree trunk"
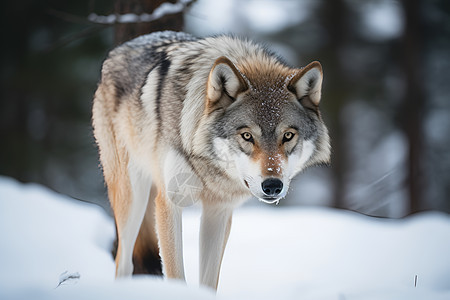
[[335, 22], [413, 104], [125, 32]]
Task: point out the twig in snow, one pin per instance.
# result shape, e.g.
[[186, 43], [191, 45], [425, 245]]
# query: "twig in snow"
[[66, 276], [415, 281]]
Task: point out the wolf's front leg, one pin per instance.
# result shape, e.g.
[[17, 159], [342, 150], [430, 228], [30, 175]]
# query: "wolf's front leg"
[[169, 229], [214, 232]]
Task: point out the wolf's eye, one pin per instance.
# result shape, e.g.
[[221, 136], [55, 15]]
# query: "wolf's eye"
[[247, 137], [287, 136]]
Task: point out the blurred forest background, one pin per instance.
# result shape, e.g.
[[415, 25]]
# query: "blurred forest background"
[[385, 95]]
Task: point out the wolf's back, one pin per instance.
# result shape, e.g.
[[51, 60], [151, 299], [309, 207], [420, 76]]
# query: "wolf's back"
[[127, 66]]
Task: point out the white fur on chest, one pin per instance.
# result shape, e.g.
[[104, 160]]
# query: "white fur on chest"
[[183, 186]]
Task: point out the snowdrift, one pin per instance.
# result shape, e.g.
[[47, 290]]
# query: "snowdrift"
[[53, 247]]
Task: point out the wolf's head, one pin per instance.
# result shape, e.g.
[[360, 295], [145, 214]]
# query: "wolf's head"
[[267, 125]]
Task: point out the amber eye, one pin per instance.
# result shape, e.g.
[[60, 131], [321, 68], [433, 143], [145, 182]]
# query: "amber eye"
[[247, 137], [288, 136]]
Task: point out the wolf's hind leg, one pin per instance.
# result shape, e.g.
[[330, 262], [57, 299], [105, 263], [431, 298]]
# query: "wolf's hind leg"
[[129, 222], [146, 257], [169, 229], [214, 231]]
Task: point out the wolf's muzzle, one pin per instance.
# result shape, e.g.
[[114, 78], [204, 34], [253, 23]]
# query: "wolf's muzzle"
[[272, 187]]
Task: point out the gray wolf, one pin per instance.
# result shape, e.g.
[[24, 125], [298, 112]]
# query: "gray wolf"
[[223, 110]]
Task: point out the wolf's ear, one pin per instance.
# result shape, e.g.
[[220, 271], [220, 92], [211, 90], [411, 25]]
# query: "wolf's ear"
[[307, 83], [224, 80]]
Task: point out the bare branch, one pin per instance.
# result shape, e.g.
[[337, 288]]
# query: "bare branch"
[[161, 11], [74, 37], [68, 17]]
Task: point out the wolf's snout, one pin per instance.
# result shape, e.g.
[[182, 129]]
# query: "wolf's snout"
[[272, 186]]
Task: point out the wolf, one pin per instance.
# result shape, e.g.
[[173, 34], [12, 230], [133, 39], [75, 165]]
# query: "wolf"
[[222, 115]]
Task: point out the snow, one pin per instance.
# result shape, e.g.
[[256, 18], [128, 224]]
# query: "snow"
[[209, 17], [272, 16], [382, 19], [47, 238], [53, 247], [161, 11]]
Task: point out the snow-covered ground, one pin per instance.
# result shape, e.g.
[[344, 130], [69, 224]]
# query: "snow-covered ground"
[[273, 253]]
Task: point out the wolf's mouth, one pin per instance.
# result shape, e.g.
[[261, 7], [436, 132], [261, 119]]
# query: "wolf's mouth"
[[270, 200]]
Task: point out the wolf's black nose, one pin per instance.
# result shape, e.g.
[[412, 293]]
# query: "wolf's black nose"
[[272, 186]]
